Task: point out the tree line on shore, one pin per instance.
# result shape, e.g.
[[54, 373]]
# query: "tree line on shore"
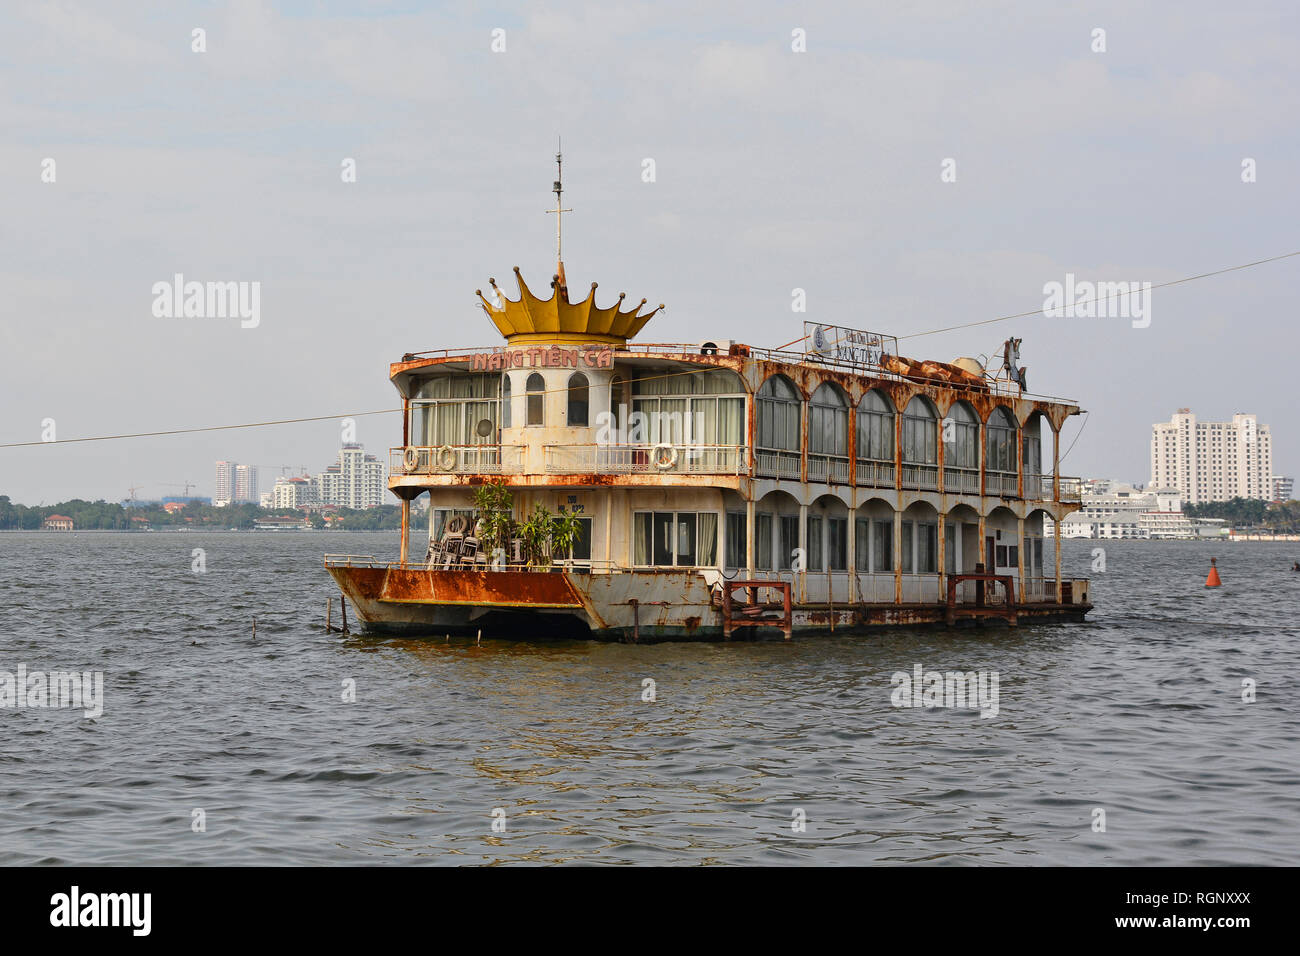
[[107, 516], [1251, 513]]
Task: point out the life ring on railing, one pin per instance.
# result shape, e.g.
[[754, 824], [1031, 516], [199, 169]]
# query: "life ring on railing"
[[446, 458], [662, 463], [411, 459]]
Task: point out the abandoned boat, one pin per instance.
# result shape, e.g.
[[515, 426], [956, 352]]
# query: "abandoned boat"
[[581, 483]]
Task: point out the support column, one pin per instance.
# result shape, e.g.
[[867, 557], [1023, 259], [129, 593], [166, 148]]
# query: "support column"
[[406, 527], [1020, 525], [852, 563], [1057, 515], [609, 528], [943, 555], [1056, 529], [898, 556], [803, 547], [749, 538]]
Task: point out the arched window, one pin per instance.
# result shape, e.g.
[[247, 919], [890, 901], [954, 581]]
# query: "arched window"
[[505, 401], [578, 400], [536, 398], [828, 435], [780, 407], [961, 450], [919, 444], [1000, 453], [961, 437], [828, 422], [875, 428]]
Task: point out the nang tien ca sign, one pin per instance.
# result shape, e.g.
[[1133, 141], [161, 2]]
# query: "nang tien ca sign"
[[834, 343], [550, 356]]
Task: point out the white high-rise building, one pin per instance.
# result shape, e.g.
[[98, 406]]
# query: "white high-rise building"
[[293, 492], [357, 481], [1212, 461], [246, 483], [225, 490], [1283, 488]]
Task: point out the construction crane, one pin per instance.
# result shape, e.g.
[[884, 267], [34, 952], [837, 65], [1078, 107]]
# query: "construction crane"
[[187, 486]]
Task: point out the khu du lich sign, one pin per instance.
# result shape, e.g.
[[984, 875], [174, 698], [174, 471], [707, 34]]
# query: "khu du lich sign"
[[833, 343]]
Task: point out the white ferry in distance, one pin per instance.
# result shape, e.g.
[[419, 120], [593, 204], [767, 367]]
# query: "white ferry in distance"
[[582, 483]]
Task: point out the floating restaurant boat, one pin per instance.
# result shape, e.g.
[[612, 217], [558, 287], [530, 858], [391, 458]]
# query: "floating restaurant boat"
[[712, 489]]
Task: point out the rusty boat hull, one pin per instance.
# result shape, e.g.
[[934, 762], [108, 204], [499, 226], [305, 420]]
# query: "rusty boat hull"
[[638, 606]]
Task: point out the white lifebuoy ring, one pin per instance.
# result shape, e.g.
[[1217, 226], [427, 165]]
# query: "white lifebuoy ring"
[[662, 463], [446, 458], [456, 524], [411, 459]]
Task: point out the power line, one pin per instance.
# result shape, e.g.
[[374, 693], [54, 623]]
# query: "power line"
[[207, 428], [1039, 311]]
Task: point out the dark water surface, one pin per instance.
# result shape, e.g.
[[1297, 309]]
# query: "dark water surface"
[[1139, 713]]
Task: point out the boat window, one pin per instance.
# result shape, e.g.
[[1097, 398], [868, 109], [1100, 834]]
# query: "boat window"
[[763, 541], [815, 543], [1000, 455], [578, 400], [788, 529], [675, 538], [961, 437], [875, 428], [450, 410], [736, 529], [536, 398], [828, 422], [697, 407], [837, 544], [919, 438], [779, 409]]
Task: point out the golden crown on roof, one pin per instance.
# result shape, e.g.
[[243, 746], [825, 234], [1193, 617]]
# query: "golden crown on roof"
[[559, 319]]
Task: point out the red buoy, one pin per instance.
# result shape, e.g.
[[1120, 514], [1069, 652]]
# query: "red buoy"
[[1212, 579]]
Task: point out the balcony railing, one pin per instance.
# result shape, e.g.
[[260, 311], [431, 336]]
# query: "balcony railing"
[[828, 468], [961, 481], [662, 459], [875, 474], [1000, 483], [921, 477], [772, 463], [456, 460]]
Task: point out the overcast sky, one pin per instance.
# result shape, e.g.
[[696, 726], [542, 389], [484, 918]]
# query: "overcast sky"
[[774, 170]]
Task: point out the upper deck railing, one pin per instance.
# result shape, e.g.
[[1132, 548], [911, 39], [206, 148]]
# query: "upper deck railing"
[[670, 460], [672, 350]]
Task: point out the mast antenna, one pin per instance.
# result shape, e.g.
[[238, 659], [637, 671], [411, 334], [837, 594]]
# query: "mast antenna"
[[559, 211]]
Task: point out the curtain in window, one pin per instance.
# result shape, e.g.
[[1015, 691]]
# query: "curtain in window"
[[927, 548], [763, 541], [883, 540], [862, 544], [909, 563], [837, 544], [708, 539], [642, 522], [789, 540], [736, 540], [815, 544]]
